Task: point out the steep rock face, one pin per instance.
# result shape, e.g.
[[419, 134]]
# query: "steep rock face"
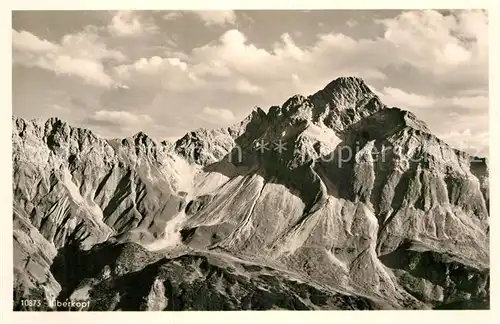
[[73, 184], [205, 147], [417, 188], [310, 127], [307, 127], [33, 257], [334, 190], [70, 185], [42, 157]]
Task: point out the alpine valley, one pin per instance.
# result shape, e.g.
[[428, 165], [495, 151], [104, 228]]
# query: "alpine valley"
[[361, 208]]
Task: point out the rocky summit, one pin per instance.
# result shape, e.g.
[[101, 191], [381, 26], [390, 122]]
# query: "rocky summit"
[[331, 201]]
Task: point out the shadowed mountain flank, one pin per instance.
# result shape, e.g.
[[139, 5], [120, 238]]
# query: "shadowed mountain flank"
[[330, 201]]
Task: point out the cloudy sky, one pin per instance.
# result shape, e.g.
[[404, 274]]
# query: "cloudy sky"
[[168, 72]]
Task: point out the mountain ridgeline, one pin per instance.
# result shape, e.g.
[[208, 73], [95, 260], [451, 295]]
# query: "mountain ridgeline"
[[331, 201]]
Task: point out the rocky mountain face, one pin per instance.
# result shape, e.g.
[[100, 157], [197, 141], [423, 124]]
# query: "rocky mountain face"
[[331, 201]]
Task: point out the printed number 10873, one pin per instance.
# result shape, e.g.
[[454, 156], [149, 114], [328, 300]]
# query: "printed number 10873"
[[31, 302]]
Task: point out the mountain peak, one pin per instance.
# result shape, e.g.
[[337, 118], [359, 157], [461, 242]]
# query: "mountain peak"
[[347, 89], [257, 111], [256, 114], [55, 120], [333, 195], [142, 138], [346, 81], [140, 134]]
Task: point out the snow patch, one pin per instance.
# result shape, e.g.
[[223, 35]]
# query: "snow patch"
[[71, 188], [322, 134], [372, 220], [172, 236], [179, 173]]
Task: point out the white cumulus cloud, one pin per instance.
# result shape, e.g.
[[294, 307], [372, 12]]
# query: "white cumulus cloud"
[[218, 114], [217, 17], [121, 118], [79, 55], [129, 24]]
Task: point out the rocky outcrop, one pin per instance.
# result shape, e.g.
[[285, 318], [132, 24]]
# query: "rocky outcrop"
[[205, 147], [128, 277], [331, 201]]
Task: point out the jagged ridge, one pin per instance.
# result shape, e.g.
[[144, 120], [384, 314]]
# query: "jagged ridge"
[[310, 211]]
